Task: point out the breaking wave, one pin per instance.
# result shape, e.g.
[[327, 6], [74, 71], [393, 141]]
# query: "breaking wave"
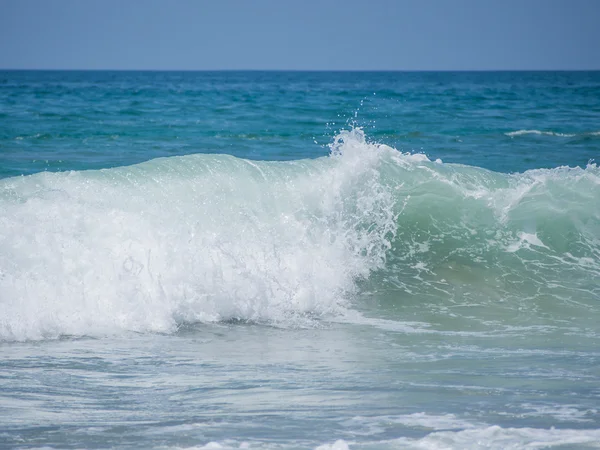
[[205, 238]]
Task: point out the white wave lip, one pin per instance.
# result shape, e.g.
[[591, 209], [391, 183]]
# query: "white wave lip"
[[190, 239], [548, 133], [538, 132]]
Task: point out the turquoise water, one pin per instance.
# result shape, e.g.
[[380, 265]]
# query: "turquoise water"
[[299, 260], [504, 121]]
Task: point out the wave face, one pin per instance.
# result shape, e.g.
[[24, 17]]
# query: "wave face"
[[202, 238]]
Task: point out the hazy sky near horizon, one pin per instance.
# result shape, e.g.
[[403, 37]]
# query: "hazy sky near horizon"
[[300, 35]]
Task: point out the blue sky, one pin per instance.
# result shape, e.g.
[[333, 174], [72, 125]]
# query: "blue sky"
[[300, 35]]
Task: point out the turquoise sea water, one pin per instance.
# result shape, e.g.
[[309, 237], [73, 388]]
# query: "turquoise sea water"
[[299, 260]]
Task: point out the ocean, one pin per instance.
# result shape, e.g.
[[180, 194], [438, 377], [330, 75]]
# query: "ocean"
[[311, 260]]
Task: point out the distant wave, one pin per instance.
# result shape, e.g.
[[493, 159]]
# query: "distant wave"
[[550, 133]]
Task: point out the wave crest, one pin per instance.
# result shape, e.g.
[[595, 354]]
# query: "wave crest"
[[205, 238], [549, 133], [188, 239]]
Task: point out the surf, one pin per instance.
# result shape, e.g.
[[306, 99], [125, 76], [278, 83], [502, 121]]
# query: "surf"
[[207, 238]]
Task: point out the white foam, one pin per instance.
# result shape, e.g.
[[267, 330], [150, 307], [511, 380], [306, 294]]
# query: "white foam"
[[340, 444], [549, 133], [538, 132], [498, 438], [474, 438], [224, 445], [197, 238], [525, 240], [564, 413]]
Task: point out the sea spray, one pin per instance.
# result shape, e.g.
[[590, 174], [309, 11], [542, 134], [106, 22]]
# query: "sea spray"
[[188, 239]]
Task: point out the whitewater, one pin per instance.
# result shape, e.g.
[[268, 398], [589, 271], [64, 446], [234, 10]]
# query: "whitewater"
[[200, 238], [179, 273]]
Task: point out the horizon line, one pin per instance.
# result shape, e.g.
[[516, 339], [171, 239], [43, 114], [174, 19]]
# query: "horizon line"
[[294, 70]]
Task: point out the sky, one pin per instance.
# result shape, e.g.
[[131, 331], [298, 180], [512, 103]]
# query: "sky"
[[300, 34]]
